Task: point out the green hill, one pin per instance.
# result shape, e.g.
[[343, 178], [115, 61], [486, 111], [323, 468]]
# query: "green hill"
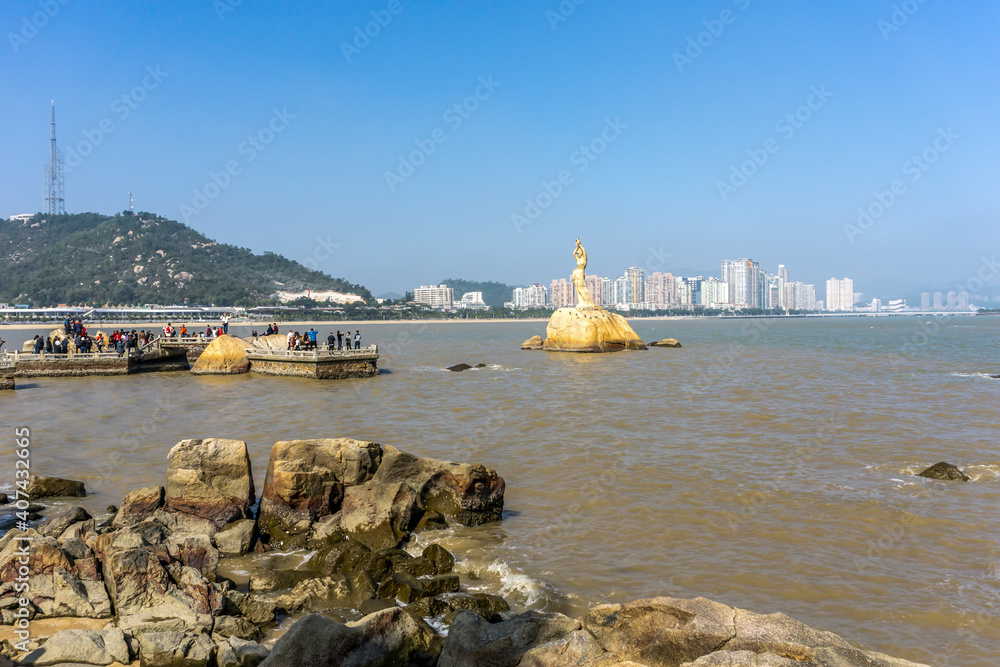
[[494, 294], [137, 259]]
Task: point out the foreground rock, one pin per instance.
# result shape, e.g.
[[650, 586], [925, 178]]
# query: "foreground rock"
[[55, 487], [389, 637], [945, 470], [469, 494], [657, 632], [305, 482], [226, 355], [533, 343], [90, 647], [589, 330], [210, 479], [665, 342]]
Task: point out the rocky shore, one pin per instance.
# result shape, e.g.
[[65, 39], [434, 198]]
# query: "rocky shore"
[[146, 584]]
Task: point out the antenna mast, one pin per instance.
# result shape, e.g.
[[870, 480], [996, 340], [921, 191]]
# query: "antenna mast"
[[55, 204]]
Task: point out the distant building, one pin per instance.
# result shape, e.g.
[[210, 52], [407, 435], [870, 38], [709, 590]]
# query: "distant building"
[[925, 301], [840, 294], [472, 300], [636, 279], [661, 290], [952, 302], [21, 217], [938, 301], [533, 296], [715, 293], [800, 296], [746, 289], [562, 293], [595, 285], [322, 296], [896, 305], [440, 296]]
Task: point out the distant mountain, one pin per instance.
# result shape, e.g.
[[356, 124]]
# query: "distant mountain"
[[494, 294], [140, 258], [394, 296]]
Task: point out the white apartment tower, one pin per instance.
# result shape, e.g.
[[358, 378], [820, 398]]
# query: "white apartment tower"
[[440, 296], [840, 294]]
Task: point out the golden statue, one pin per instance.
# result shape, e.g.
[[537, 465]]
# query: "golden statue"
[[579, 280], [586, 327]]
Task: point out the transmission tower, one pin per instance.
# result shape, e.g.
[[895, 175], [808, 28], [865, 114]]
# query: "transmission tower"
[[55, 204]]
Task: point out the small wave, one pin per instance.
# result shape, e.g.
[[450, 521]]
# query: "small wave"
[[980, 471], [973, 375], [527, 590], [498, 578]]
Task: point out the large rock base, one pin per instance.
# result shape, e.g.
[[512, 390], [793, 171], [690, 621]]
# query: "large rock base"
[[589, 330]]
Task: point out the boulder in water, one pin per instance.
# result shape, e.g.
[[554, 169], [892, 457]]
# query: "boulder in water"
[[533, 343], [589, 330], [226, 355], [665, 342], [458, 368], [944, 470], [55, 487]]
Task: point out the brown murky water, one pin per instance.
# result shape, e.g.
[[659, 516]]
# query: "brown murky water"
[[767, 464]]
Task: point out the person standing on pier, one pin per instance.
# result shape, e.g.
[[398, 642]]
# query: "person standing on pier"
[[225, 323], [357, 340], [340, 340], [48, 346], [331, 340], [38, 344]]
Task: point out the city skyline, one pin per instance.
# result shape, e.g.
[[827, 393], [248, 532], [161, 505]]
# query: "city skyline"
[[807, 131]]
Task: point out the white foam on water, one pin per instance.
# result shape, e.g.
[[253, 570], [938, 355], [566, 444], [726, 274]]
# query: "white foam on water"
[[982, 471], [525, 590], [971, 375]]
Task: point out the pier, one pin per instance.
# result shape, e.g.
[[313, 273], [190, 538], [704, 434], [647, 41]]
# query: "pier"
[[318, 364], [177, 354]]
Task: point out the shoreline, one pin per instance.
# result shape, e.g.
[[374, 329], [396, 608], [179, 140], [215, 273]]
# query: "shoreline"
[[495, 320]]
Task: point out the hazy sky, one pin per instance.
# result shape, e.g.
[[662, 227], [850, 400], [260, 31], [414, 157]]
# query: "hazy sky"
[[666, 137]]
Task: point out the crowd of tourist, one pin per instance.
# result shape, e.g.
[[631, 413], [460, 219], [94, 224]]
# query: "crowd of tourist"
[[308, 340], [123, 340]]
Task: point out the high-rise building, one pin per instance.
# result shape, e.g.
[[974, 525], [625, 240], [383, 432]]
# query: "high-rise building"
[[775, 292], [440, 296], [607, 292], [715, 293], [782, 281], [925, 301], [595, 285], [745, 282], [952, 302], [938, 301], [561, 293], [661, 290], [636, 278], [840, 294], [622, 292], [963, 301], [800, 296], [533, 296]]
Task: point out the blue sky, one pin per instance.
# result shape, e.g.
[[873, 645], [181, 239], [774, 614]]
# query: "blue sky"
[[673, 154]]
